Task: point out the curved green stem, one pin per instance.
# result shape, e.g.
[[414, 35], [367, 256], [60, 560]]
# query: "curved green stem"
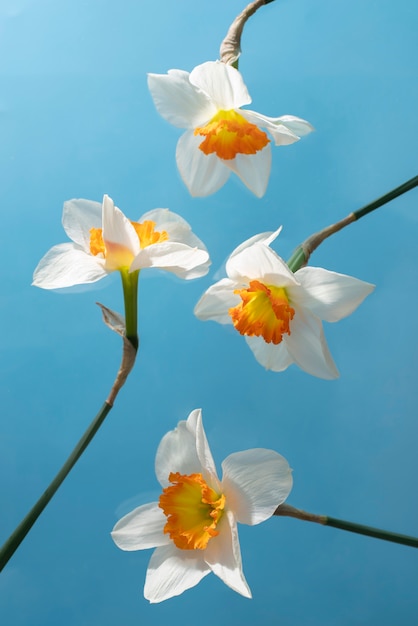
[[130, 296], [360, 529], [300, 256], [16, 538], [130, 344]]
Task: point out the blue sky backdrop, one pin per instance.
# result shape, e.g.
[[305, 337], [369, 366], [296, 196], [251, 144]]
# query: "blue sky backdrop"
[[77, 121]]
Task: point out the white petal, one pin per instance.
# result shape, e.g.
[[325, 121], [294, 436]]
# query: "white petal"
[[164, 218], [178, 230], [216, 302], [265, 238], [186, 450], [172, 571], [255, 482], [329, 295], [66, 265], [78, 217], [174, 225], [178, 101], [253, 169], [307, 346], [272, 357], [195, 424], [285, 130], [142, 528], [259, 262], [296, 124], [119, 236], [178, 258], [177, 453], [202, 174], [223, 554], [222, 83]]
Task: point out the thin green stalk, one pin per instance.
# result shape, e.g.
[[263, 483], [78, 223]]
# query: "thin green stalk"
[[300, 256], [360, 529], [130, 296], [391, 195], [372, 532], [16, 538], [129, 334]]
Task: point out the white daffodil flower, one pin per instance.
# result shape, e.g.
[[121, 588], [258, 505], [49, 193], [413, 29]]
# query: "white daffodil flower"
[[221, 137], [104, 240], [193, 526], [279, 312]]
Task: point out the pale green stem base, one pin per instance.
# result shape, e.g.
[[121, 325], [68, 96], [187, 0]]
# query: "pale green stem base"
[[130, 296]]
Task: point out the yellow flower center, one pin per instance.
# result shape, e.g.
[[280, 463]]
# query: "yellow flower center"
[[146, 232], [264, 312], [193, 510], [228, 133]]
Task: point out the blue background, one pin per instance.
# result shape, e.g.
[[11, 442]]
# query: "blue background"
[[77, 120]]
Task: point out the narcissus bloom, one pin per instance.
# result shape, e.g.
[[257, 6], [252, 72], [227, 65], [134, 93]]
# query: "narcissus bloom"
[[221, 137], [279, 312], [193, 526], [104, 240]]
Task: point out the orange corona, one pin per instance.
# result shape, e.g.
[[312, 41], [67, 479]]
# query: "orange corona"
[[228, 133], [264, 312], [193, 510]]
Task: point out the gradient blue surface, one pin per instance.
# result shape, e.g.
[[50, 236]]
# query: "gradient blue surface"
[[76, 120]]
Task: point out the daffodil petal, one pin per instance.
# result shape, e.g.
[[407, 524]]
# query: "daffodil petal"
[[119, 236], [272, 357], [172, 571], [175, 226], [296, 124], [177, 453], [253, 169], [308, 347], [264, 238], [178, 258], [216, 302], [185, 450], [223, 555], [222, 83], [255, 482], [195, 423], [329, 295], [285, 130], [259, 262], [178, 101], [202, 174], [179, 232], [78, 217], [142, 528], [66, 265]]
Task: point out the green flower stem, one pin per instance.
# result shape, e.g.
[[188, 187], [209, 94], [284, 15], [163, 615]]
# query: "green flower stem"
[[16, 538], [290, 511], [129, 335], [372, 532], [300, 256], [130, 296]]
